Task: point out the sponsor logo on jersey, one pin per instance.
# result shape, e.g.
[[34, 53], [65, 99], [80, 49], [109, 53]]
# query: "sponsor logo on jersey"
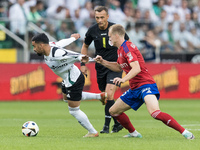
[[68, 95], [103, 33], [57, 67], [124, 65]]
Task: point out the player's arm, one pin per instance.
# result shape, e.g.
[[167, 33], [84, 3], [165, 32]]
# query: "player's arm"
[[84, 49], [135, 69], [65, 42], [114, 66]]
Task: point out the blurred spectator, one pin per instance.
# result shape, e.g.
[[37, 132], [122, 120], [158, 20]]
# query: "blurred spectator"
[[123, 3], [194, 40], [137, 16], [144, 5], [51, 3], [183, 10], [129, 12], [189, 23], [18, 18], [158, 7], [41, 9], [196, 9], [63, 31], [176, 22], [147, 5], [87, 12], [148, 20], [196, 22], [3, 12], [168, 39], [135, 34], [98, 3], [72, 6], [170, 9], [149, 46], [177, 3], [58, 12], [33, 15], [182, 40], [116, 15], [161, 24]]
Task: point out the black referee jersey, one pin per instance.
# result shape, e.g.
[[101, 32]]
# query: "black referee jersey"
[[100, 38]]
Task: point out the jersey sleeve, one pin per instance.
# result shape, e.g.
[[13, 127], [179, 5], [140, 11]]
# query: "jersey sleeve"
[[130, 55], [59, 53], [88, 38], [65, 42]]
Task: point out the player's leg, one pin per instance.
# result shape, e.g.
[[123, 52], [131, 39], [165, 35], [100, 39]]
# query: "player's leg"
[[74, 110], [110, 90], [87, 95], [99, 96], [117, 111], [153, 108], [73, 96], [102, 86]]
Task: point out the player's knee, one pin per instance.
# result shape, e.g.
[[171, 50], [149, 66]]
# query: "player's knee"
[[110, 96], [73, 110], [112, 112]]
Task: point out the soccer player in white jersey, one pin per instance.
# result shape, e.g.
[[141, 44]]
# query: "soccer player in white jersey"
[[61, 61]]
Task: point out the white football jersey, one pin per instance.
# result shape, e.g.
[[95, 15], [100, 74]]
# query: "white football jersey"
[[61, 62]]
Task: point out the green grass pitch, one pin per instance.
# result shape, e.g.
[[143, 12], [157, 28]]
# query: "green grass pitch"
[[60, 131]]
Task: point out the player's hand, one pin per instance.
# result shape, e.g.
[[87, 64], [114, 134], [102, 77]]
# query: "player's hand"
[[76, 36], [118, 81], [84, 59], [84, 70], [98, 59]]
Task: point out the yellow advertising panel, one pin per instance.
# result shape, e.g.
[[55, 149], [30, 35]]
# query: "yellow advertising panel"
[[8, 55]]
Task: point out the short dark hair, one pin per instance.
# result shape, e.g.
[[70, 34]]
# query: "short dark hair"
[[41, 38], [101, 8]]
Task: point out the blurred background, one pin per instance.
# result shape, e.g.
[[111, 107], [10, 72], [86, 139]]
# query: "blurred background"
[[165, 31]]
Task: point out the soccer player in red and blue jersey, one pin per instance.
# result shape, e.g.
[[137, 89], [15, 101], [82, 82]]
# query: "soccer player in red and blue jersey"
[[143, 88]]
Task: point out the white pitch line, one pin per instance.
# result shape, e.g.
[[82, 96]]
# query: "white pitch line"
[[194, 129], [191, 125]]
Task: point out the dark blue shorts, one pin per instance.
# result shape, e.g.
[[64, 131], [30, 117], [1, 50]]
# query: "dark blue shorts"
[[135, 98]]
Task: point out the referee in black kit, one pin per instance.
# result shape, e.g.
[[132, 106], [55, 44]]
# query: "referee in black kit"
[[99, 33]]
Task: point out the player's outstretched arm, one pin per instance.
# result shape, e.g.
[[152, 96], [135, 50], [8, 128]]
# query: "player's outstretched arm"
[[114, 66], [65, 42]]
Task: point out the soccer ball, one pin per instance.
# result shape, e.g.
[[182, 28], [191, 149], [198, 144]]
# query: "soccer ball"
[[30, 128]]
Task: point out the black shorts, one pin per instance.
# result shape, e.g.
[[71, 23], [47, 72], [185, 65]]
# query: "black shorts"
[[107, 78], [74, 93]]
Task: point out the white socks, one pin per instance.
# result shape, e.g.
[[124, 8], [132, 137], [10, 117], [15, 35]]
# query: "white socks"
[[88, 96], [135, 133], [82, 119]]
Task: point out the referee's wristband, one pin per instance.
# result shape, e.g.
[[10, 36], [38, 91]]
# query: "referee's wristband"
[[82, 64]]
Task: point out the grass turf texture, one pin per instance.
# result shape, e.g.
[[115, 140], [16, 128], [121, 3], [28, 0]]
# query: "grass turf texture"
[[59, 130]]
